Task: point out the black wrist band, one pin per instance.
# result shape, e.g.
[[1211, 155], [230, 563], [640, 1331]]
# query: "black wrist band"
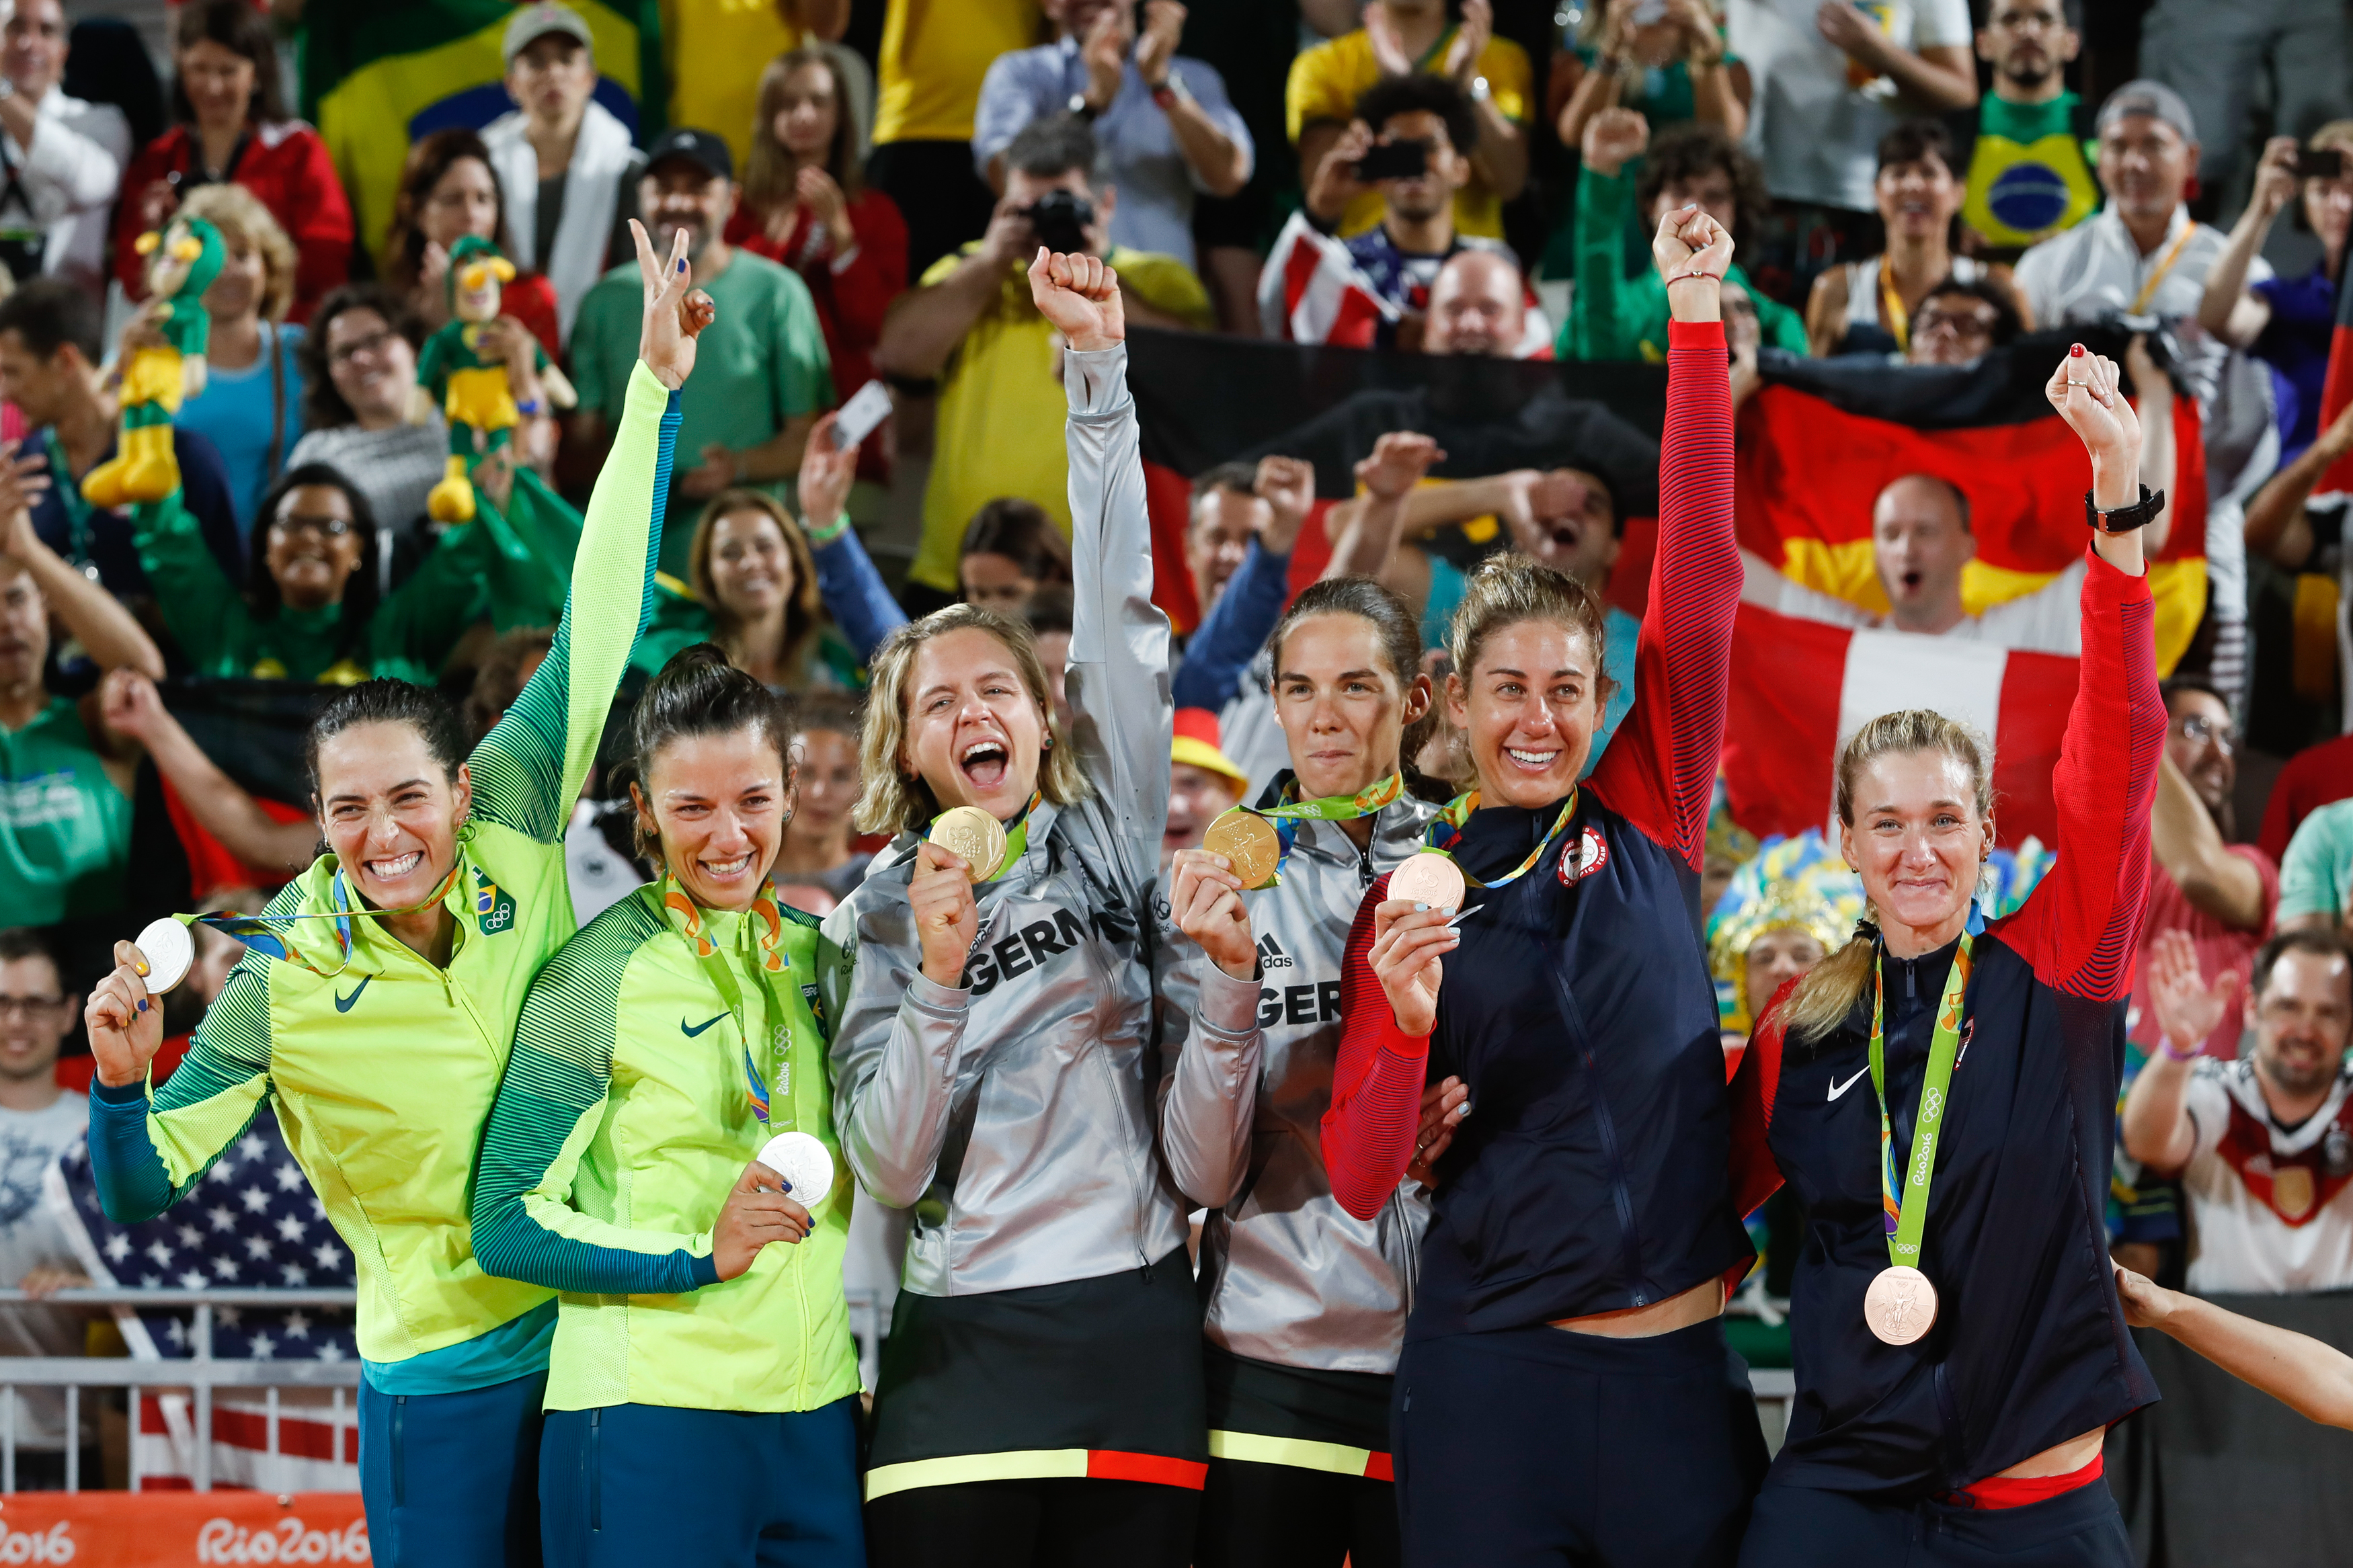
[[2123, 519]]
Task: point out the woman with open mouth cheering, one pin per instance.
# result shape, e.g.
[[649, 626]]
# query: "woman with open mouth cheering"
[[1564, 1390], [378, 1002], [997, 1051]]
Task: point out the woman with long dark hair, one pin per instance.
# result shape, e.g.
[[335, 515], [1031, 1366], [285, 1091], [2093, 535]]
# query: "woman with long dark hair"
[[450, 189], [1305, 1303], [1563, 1391], [377, 1004], [703, 1351], [997, 1055], [231, 125], [1960, 1352]]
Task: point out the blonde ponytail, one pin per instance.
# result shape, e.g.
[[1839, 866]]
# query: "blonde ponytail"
[[1830, 990]]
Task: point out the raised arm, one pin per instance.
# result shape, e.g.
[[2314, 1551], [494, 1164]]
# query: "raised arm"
[[2226, 309], [2080, 927], [96, 618], [130, 705], [1597, 326], [529, 769], [1118, 681], [1659, 769], [853, 592], [1238, 624]]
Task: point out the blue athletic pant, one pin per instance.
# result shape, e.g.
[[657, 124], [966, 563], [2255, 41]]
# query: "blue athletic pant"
[[1538, 1446], [633, 1485], [452, 1481], [1797, 1527]]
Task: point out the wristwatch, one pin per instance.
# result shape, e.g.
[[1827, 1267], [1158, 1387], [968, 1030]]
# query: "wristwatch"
[[2125, 519], [1167, 94]]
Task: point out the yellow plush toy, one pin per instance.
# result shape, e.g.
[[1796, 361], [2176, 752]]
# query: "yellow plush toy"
[[181, 263]]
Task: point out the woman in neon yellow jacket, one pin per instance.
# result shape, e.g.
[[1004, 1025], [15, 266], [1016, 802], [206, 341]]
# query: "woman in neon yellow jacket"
[[379, 1002], [702, 1353]]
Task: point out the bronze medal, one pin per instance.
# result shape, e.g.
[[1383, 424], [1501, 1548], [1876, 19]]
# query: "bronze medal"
[[1901, 1305], [1249, 844], [1429, 879], [974, 837]]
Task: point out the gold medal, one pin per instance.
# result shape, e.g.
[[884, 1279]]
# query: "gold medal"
[[1429, 879], [1901, 1305], [974, 837], [1249, 844]]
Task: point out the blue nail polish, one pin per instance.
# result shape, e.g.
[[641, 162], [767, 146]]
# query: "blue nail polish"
[[682, 264], [143, 1005], [1419, 909]]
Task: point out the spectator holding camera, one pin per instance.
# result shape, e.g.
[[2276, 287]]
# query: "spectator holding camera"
[[1163, 126], [1413, 38], [60, 159], [971, 323], [1411, 143], [762, 378], [2288, 323], [234, 129], [1614, 317]]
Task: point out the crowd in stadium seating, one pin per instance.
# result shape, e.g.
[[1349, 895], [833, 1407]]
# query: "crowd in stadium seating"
[[861, 183]]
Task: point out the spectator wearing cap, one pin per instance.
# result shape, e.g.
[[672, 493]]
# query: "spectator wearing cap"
[[2025, 154], [718, 50], [1164, 129], [1202, 783], [233, 129], [2317, 872], [1396, 259], [971, 323], [929, 70], [1831, 79], [760, 371], [2263, 1145], [1405, 37], [564, 163], [2221, 894], [49, 358], [2213, 55], [60, 158]]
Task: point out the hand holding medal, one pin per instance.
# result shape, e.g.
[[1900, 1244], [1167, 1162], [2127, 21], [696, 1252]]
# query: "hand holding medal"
[[1238, 853], [940, 896], [125, 1014], [1412, 934], [756, 1212]]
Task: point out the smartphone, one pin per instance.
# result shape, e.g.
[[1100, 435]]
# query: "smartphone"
[[867, 408], [2320, 164], [1394, 161]]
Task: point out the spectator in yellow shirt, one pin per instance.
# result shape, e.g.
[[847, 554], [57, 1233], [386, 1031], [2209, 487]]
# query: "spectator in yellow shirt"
[[716, 50], [928, 73], [970, 323], [1405, 37]]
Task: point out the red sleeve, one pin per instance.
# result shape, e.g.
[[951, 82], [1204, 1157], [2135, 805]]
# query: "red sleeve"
[[318, 217], [876, 275], [1376, 1083], [1754, 1175], [2081, 927], [1660, 770], [154, 162]]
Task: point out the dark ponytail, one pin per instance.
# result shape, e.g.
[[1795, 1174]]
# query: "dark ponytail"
[[698, 692], [388, 702], [1400, 639]]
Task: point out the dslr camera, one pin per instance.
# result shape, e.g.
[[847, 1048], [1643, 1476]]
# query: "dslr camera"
[[1060, 219]]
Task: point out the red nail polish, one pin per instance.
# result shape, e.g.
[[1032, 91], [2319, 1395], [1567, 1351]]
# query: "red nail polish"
[[2075, 353]]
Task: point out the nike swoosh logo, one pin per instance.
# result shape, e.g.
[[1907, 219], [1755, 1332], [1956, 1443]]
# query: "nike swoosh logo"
[[344, 1004], [1838, 1088], [691, 1030]]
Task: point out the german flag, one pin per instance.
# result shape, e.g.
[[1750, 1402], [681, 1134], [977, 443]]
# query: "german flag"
[[1823, 438]]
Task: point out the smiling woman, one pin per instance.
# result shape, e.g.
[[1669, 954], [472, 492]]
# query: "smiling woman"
[[444, 881]]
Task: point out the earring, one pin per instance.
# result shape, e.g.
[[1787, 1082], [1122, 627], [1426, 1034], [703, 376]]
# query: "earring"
[[1048, 745]]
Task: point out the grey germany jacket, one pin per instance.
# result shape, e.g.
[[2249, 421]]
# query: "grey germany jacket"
[[1290, 1276], [1016, 1114]]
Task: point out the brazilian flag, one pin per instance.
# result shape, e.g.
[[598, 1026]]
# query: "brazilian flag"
[[377, 76]]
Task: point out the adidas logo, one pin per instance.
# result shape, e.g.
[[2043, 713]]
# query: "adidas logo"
[[1271, 954]]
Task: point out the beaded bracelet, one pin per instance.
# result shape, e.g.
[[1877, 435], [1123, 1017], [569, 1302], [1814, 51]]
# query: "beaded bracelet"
[[2164, 1044]]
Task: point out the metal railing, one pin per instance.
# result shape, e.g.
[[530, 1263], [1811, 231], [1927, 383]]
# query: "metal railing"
[[200, 1374]]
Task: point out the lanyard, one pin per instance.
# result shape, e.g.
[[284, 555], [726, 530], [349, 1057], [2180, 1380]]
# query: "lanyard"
[[255, 932], [1287, 814], [685, 917], [2172, 255], [1899, 320], [1907, 1220], [1447, 827]]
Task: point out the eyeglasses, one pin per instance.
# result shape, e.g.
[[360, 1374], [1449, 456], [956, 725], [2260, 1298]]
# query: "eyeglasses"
[[28, 1004], [1960, 324], [2205, 732], [294, 522], [371, 344]]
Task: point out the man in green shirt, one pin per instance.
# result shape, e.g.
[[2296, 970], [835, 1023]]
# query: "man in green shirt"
[[2028, 147], [762, 377]]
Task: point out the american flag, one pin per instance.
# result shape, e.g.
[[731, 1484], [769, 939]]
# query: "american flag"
[[251, 1222]]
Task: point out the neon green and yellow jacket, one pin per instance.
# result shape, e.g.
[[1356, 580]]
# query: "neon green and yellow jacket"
[[381, 1070], [623, 1124]]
